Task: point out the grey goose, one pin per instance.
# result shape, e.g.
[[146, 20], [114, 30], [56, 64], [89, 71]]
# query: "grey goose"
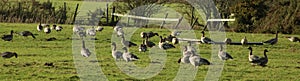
[[128, 56], [27, 33], [273, 40], [9, 54], [224, 55], [85, 52], [116, 54]]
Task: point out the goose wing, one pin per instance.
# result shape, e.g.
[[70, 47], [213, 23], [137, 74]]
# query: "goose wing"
[[204, 61]]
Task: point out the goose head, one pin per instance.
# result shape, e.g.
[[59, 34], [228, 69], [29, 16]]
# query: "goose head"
[[266, 50], [250, 48]]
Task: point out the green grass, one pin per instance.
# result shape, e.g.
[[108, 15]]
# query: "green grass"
[[33, 53]]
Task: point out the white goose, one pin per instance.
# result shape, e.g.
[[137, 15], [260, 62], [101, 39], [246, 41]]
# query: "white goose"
[[244, 41], [84, 51], [115, 54], [224, 55], [127, 56]]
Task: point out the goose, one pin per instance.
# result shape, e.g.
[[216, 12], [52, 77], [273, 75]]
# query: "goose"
[[175, 41], [91, 31], [175, 33], [127, 43], [84, 51], [205, 40], [47, 30], [127, 56], [293, 39], [196, 60], [149, 43], [264, 60], [170, 38], [227, 41], [274, 40], [163, 45], [187, 51], [184, 59], [244, 41], [59, 28], [143, 34], [39, 27], [27, 33], [99, 29], [53, 27], [151, 34], [224, 55], [251, 57], [8, 37], [115, 54], [143, 47], [120, 32], [77, 29], [9, 54]]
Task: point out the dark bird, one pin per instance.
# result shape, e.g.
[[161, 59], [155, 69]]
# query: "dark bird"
[[205, 39], [293, 39], [9, 54], [149, 43], [8, 37], [143, 47], [164, 45], [274, 40], [49, 64], [148, 34], [27, 33]]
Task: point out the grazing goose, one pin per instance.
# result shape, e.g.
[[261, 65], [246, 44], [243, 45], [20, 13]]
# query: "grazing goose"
[[224, 55], [205, 40], [127, 43], [84, 51], [39, 27], [127, 56], [9, 54], [91, 31], [163, 45], [8, 37], [252, 58], [59, 28], [196, 60], [47, 30], [274, 40], [143, 47], [227, 41], [293, 39], [27, 33], [244, 41], [115, 54], [99, 29], [149, 43]]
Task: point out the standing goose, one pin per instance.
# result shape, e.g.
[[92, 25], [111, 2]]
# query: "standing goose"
[[244, 41], [293, 39], [47, 30], [149, 43], [9, 54], [115, 54], [8, 37], [84, 51], [163, 45], [143, 47], [39, 27], [27, 33], [127, 56], [274, 40], [224, 55], [227, 41], [127, 43], [252, 58], [205, 40]]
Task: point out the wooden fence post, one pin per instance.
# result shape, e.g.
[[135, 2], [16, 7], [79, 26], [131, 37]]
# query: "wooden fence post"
[[179, 21], [164, 22], [113, 16], [75, 14]]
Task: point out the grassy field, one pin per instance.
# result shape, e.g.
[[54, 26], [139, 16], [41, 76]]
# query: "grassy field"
[[284, 63]]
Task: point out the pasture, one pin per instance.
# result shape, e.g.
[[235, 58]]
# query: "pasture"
[[284, 63]]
